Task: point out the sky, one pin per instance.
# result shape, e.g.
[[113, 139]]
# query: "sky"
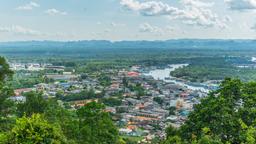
[[115, 20]]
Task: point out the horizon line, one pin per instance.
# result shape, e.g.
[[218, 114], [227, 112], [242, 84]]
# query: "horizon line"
[[114, 41]]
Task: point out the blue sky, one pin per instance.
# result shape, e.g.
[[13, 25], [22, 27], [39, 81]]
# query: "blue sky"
[[126, 19]]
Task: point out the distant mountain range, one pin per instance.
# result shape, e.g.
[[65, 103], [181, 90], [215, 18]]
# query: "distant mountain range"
[[181, 43], [54, 47]]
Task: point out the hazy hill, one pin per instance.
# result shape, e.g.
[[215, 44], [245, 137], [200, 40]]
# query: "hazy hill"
[[84, 48]]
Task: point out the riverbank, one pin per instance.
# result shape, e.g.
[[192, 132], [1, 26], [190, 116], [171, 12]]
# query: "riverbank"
[[164, 75]]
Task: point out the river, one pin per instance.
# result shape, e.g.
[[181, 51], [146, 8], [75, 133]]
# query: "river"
[[164, 74]]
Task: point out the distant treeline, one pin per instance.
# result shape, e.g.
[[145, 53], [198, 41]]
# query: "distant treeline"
[[94, 49]]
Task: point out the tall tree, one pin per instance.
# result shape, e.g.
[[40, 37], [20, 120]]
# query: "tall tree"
[[35, 130], [67, 120], [96, 126], [5, 71], [6, 105], [34, 103], [221, 112]]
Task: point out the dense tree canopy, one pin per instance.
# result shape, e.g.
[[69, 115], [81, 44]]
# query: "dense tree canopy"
[[5, 72], [96, 126], [6, 105], [228, 114], [35, 130], [34, 103]]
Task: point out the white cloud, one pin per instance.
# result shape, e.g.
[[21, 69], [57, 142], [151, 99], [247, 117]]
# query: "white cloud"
[[107, 30], [149, 8], [54, 12], [24, 31], [31, 5], [170, 29], [253, 27], [146, 27], [16, 29], [241, 5], [131, 4], [197, 3], [114, 24], [193, 12], [245, 26], [227, 19], [197, 16]]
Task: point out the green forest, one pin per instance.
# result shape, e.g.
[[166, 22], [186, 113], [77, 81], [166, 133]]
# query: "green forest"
[[225, 116]]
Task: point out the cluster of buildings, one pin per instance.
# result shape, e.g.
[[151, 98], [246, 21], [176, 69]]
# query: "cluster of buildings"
[[145, 115], [34, 66]]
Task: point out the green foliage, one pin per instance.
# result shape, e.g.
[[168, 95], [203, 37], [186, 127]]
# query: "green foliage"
[[248, 134], [67, 120], [140, 91], [111, 101], [131, 139], [207, 138], [96, 126], [25, 79], [159, 100], [83, 95], [125, 82], [104, 80], [173, 140], [171, 131], [6, 105], [3, 138], [35, 130], [172, 110], [5, 72], [34, 103], [53, 112], [202, 69], [221, 113]]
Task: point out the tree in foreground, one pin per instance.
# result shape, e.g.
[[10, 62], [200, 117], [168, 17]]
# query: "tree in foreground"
[[35, 130], [5, 71], [96, 126], [35, 103], [67, 120], [6, 105], [225, 113]]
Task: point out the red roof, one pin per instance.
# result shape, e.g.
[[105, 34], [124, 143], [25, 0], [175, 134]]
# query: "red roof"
[[133, 74], [19, 91]]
